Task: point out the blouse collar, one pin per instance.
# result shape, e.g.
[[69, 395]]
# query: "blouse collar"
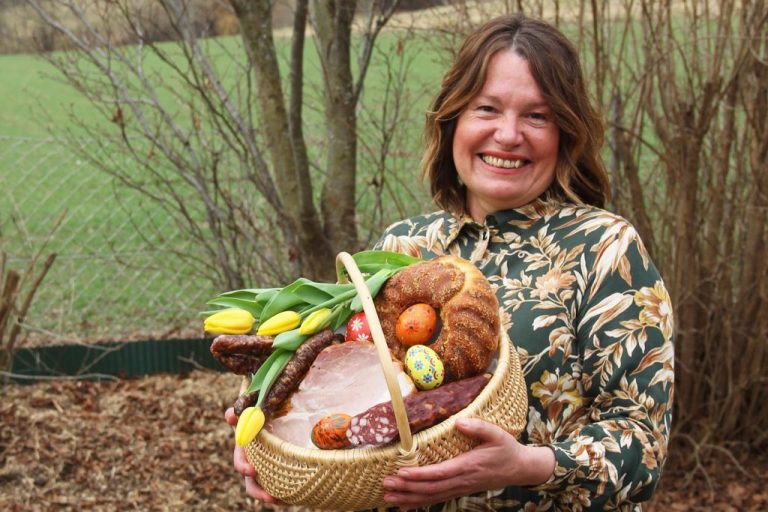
[[523, 216]]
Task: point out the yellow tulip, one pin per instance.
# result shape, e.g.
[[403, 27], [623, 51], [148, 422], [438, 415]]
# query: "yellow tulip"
[[229, 321], [249, 425], [315, 321], [281, 322]]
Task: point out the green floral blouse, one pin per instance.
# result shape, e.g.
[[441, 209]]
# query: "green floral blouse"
[[592, 323]]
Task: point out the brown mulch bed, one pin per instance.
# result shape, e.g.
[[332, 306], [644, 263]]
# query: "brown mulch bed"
[[145, 444], [160, 443]]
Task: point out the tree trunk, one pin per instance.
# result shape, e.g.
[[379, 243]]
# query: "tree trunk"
[[332, 22], [309, 247]]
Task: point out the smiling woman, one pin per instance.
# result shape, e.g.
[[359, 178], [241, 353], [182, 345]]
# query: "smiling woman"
[[513, 160]]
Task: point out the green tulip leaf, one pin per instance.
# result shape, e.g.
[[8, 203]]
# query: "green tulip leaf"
[[249, 293], [258, 378], [289, 340], [370, 262], [283, 300], [374, 284], [253, 308], [273, 372], [340, 316], [317, 293]]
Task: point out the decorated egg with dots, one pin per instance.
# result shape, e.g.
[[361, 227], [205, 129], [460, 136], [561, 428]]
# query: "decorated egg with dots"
[[424, 366]]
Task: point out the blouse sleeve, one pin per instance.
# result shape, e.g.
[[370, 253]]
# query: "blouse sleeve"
[[624, 331]]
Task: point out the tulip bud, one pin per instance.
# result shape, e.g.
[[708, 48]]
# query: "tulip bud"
[[249, 425], [229, 321], [284, 321], [315, 321]]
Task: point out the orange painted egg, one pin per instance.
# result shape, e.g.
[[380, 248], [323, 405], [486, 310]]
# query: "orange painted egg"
[[416, 325], [330, 432]]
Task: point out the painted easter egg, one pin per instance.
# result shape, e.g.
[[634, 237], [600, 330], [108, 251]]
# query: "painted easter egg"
[[357, 328], [416, 325], [424, 366], [330, 433]]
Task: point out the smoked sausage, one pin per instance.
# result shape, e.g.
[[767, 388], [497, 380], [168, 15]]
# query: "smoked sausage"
[[240, 353]]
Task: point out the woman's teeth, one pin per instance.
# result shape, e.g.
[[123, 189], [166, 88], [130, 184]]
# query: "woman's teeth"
[[500, 162]]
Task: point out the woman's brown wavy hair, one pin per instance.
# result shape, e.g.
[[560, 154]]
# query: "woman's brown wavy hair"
[[580, 175]]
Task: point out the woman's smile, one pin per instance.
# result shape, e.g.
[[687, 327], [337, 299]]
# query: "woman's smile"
[[503, 162]]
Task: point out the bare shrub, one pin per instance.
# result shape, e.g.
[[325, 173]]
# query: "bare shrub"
[[18, 289], [214, 130]]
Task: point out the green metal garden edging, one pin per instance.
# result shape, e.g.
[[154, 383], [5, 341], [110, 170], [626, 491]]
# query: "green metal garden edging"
[[114, 359]]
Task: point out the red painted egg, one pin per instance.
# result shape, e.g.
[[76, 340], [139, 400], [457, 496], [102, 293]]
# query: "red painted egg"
[[357, 328]]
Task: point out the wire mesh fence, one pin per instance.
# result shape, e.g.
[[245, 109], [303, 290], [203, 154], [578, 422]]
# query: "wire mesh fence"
[[115, 276]]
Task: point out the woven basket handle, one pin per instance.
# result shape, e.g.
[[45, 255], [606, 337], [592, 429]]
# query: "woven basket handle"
[[345, 260]]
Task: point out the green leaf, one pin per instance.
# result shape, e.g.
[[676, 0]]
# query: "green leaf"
[[258, 378], [283, 300], [374, 284], [370, 262], [317, 293], [248, 293], [274, 371], [340, 316], [330, 303], [254, 308], [289, 340], [264, 297]]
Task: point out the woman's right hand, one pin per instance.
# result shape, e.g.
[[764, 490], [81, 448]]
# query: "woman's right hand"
[[243, 467]]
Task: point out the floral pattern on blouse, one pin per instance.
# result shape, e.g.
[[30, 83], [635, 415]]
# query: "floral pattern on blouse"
[[592, 324]]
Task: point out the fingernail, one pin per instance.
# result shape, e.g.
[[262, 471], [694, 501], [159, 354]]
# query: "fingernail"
[[463, 422], [403, 473], [389, 483]]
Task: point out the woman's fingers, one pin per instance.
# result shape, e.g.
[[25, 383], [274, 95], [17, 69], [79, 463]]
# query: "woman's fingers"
[[481, 430], [229, 415], [242, 465], [254, 490]]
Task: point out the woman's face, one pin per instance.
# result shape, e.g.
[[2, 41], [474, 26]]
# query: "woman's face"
[[506, 140]]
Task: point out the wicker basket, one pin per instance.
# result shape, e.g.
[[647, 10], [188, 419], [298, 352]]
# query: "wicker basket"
[[351, 479]]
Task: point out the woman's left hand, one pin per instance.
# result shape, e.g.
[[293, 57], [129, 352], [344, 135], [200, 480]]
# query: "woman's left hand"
[[498, 461]]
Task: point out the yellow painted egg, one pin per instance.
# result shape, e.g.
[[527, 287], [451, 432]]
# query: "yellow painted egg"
[[424, 366]]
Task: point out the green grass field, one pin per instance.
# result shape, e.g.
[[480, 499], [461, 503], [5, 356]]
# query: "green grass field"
[[115, 276]]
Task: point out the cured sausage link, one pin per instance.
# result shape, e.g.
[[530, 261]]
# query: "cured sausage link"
[[244, 401], [296, 369], [377, 425], [240, 353]]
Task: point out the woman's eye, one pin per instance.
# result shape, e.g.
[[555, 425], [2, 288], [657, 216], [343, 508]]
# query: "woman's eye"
[[538, 116], [486, 108]]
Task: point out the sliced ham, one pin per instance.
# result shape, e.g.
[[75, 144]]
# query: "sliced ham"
[[345, 378]]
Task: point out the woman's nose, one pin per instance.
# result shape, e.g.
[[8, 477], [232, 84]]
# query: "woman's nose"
[[508, 131]]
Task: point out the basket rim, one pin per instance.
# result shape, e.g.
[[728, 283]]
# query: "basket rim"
[[317, 455]]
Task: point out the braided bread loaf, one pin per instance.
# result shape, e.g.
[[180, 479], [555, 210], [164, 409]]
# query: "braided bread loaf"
[[467, 306]]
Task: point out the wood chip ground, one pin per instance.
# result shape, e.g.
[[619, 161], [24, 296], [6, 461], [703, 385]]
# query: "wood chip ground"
[[161, 443]]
